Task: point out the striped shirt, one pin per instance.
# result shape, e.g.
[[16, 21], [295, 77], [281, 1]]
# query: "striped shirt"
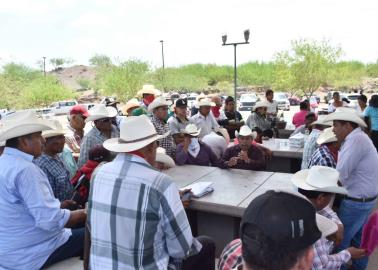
[[136, 217], [167, 143]]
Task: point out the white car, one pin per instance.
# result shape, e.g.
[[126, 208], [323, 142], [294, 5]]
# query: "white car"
[[62, 107], [247, 101], [192, 99], [282, 101]]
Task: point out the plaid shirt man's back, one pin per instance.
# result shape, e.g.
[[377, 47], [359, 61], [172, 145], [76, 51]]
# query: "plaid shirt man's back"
[[136, 217], [167, 143]]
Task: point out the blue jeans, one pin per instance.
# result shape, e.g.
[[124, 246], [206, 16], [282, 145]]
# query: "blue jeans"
[[354, 215], [72, 248]]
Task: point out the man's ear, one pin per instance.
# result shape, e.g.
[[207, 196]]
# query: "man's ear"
[[305, 262]]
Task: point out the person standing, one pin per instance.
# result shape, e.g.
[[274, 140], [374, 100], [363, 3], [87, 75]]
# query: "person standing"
[[235, 119], [77, 117], [272, 108], [371, 117]]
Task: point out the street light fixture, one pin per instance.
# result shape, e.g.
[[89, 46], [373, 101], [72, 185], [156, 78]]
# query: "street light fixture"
[[224, 40]]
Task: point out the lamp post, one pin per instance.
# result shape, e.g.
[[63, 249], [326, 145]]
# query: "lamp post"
[[224, 40], [162, 57]]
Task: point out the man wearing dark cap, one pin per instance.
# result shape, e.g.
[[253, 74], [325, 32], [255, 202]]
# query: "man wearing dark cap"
[[277, 231], [178, 122]]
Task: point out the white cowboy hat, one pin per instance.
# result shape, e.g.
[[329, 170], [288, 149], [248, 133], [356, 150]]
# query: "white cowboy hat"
[[22, 123], [325, 225], [319, 178], [261, 104], [345, 115], [56, 130], [132, 103], [326, 136], [158, 102], [148, 89], [162, 157], [100, 111], [246, 131], [192, 130], [135, 133], [321, 121], [206, 102]]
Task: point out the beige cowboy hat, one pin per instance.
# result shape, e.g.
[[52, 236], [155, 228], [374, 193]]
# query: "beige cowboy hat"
[[158, 102], [326, 136], [56, 130], [135, 133], [148, 89], [345, 115], [246, 131], [132, 103], [100, 111], [22, 123], [205, 102], [260, 104], [319, 178], [192, 130], [162, 157]]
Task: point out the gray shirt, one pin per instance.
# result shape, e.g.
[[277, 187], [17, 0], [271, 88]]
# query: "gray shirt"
[[176, 125]]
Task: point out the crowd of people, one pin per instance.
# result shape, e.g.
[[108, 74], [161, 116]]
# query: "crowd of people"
[[57, 182]]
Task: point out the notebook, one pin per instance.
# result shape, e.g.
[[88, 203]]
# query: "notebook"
[[200, 189]]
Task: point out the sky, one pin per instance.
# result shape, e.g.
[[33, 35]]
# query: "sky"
[[191, 29]]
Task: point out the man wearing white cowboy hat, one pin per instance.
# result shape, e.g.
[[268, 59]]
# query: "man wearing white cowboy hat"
[[204, 120], [150, 219], [244, 155], [52, 165], [102, 130], [258, 120], [33, 227], [358, 167], [326, 154], [159, 110], [319, 184]]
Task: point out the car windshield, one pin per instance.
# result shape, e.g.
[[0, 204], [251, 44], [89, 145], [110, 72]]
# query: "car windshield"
[[280, 96]]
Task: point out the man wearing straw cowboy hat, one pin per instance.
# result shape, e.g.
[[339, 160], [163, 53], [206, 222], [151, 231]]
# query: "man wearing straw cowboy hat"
[[204, 120], [258, 119], [358, 167], [147, 93], [148, 225], [33, 227], [102, 130]]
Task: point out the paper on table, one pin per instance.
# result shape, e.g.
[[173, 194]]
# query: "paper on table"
[[200, 189]]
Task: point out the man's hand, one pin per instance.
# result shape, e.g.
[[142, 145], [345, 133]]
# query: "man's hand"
[[69, 204], [185, 196], [232, 162], [357, 253], [186, 143], [243, 155]]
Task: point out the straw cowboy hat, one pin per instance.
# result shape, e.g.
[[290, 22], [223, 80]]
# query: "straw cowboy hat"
[[132, 103], [246, 131], [22, 123], [206, 102], [345, 115], [260, 104], [100, 111], [319, 178], [148, 89], [191, 130], [326, 136], [158, 102], [162, 157], [135, 133], [56, 130]]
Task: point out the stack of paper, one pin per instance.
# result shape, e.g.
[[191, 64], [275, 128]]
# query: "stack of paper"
[[297, 140], [200, 189]]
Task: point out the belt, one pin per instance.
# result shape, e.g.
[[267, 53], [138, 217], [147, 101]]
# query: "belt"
[[360, 199]]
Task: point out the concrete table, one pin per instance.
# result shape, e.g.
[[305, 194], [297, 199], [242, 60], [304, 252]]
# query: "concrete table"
[[185, 175]]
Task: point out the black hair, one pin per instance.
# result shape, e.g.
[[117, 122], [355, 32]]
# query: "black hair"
[[335, 93], [363, 98], [303, 105], [268, 92], [229, 99], [259, 252], [312, 194], [374, 101], [345, 99]]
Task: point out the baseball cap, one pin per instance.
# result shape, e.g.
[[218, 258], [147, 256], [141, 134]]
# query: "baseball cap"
[[98, 153], [288, 222], [78, 109], [181, 103]]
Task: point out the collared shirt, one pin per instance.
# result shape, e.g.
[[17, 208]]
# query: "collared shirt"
[[309, 147], [31, 221], [322, 157], [73, 139], [136, 217], [372, 114], [272, 106], [358, 165], [323, 257], [206, 124], [167, 143], [176, 125], [231, 257], [93, 138], [58, 175], [217, 143], [205, 157], [255, 120], [256, 156]]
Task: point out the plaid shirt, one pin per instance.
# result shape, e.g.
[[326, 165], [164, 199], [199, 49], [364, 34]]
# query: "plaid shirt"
[[322, 157], [93, 138], [231, 257], [136, 217], [323, 259], [309, 147], [255, 120], [58, 175], [167, 143]]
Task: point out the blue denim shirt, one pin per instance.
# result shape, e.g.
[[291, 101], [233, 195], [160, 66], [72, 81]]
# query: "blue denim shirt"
[[31, 221]]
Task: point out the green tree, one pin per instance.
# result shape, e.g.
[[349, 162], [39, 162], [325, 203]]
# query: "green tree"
[[100, 60], [58, 63]]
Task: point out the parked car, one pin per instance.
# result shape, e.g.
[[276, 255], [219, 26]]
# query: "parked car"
[[247, 101], [192, 99], [62, 107], [294, 101], [353, 100], [282, 101]]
